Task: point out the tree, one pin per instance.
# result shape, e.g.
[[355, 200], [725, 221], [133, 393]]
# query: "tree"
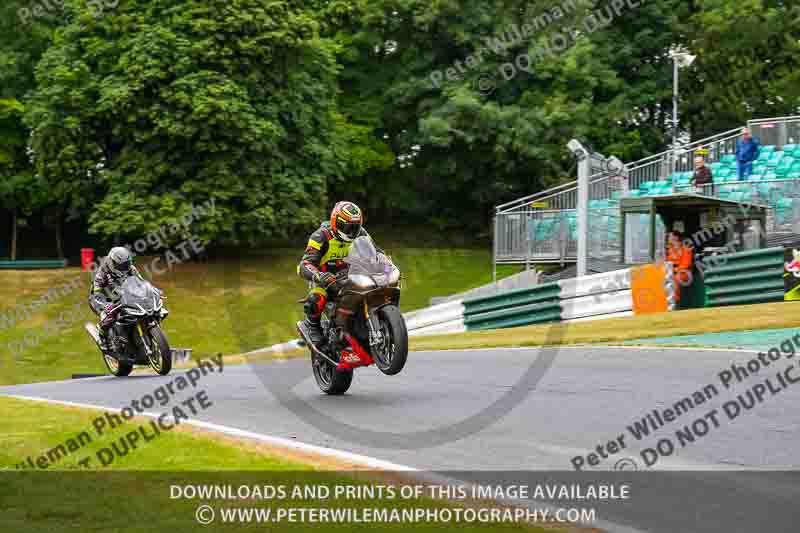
[[20, 190], [156, 106], [746, 63], [479, 114], [23, 39]]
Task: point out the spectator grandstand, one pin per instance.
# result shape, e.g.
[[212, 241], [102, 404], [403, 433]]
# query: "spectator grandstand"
[[542, 228]]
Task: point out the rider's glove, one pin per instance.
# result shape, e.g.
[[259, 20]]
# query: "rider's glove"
[[106, 316], [325, 279]]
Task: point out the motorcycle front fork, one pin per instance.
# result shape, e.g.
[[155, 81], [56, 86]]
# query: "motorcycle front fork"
[[336, 335], [374, 325]]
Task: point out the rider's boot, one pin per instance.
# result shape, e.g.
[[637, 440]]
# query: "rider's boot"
[[105, 344], [313, 307], [315, 334]]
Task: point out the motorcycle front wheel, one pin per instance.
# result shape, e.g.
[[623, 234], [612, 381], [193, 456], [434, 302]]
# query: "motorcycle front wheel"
[[390, 357], [160, 358]]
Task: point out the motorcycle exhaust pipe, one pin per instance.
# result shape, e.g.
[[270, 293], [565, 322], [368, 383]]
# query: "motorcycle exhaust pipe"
[[314, 349]]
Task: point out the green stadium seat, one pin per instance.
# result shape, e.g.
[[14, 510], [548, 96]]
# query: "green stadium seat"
[[728, 158], [546, 229], [774, 159], [792, 150], [784, 166], [723, 173]]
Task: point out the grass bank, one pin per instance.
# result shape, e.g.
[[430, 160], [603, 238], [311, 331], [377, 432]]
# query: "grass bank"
[[135, 493], [228, 307]]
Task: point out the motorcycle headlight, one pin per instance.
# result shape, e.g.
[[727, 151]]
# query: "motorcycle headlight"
[[362, 282], [394, 276]]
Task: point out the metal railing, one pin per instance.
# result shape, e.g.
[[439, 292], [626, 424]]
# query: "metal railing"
[[776, 131]]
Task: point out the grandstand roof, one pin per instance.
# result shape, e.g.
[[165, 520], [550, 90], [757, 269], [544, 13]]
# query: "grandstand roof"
[[685, 200]]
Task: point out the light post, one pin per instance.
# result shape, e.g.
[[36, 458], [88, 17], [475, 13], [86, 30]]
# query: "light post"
[[680, 59]]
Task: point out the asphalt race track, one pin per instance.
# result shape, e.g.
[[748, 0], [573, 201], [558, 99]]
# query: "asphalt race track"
[[587, 398]]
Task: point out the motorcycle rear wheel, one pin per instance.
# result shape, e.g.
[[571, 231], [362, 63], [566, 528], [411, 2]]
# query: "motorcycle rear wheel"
[[117, 368], [329, 379]]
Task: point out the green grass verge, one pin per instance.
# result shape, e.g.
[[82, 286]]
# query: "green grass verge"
[[134, 494], [224, 307], [29, 429]]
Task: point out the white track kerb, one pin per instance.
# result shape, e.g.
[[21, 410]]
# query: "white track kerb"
[[350, 458]]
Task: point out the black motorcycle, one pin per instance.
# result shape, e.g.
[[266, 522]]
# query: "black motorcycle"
[[136, 337], [362, 323]]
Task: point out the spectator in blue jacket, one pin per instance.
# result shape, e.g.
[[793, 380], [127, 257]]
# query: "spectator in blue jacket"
[[746, 152]]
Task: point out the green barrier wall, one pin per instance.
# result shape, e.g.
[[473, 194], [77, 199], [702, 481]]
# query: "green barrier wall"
[[746, 278], [514, 308], [32, 265]]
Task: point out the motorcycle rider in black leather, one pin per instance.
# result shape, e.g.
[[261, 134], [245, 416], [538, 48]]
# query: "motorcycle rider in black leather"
[[116, 267]]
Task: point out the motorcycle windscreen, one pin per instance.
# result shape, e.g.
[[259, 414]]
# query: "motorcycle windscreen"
[[364, 259], [137, 292]]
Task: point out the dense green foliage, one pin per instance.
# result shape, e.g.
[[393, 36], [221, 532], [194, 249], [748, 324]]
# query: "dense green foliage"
[[121, 114]]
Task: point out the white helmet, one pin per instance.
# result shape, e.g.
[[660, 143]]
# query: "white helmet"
[[120, 260]]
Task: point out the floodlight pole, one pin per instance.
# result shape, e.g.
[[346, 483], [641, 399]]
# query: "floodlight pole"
[[679, 59], [584, 172], [675, 75]]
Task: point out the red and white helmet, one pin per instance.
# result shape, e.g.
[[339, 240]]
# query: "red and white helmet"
[[346, 221]]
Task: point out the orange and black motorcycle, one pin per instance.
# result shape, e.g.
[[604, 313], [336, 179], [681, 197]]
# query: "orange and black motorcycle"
[[362, 323]]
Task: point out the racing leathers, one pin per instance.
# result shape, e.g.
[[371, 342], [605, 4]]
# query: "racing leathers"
[[322, 260], [105, 294]]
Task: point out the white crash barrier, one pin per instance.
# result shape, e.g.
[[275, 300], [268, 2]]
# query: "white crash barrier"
[[435, 315], [600, 317], [606, 295], [595, 284], [454, 326], [597, 304]]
